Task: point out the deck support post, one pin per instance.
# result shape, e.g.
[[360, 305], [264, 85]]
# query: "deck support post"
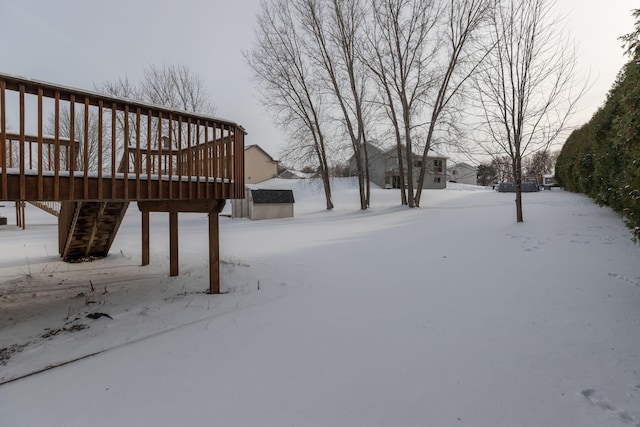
[[145, 237], [211, 207], [214, 253], [173, 243]]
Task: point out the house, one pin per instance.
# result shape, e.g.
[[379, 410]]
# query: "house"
[[258, 165], [384, 170], [463, 173]]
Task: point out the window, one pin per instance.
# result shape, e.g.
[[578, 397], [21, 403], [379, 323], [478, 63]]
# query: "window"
[[437, 166], [417, 163], [436, 180]]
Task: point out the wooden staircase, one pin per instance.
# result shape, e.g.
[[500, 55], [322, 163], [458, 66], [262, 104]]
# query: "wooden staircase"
[[50, 207], [87, 229]]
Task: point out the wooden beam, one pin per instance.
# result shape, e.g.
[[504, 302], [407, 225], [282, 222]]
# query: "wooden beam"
[[180, 205], [3, 142], [214, 253], [145, 237], [173, 243]]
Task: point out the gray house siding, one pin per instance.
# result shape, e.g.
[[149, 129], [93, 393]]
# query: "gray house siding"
[[384, 169]]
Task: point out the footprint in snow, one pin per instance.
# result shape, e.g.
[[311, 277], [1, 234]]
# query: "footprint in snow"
[[625, 279], [601, 402]]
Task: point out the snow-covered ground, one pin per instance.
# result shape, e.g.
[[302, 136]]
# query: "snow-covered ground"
[[447, 315]]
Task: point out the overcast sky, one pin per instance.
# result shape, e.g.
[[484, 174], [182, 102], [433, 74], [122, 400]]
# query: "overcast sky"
[[81, 42]]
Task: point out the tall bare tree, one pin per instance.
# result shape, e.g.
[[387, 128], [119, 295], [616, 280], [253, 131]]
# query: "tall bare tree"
[[461, 22], [280, 62], [399, 52], [526, 88], [336, 29]]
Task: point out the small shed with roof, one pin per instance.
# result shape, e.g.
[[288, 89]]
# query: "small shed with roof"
[[263, 203]]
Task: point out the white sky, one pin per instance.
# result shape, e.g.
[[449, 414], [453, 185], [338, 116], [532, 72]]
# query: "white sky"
[[81, 42]]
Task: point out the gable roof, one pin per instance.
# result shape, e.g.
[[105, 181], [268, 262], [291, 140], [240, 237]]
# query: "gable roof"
[[431, 153], [463, 165], [261, 149]]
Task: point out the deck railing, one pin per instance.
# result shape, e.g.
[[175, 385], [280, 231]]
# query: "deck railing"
[[61, 143]]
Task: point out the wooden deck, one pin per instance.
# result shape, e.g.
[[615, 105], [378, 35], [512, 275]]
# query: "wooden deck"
[[94, 154]]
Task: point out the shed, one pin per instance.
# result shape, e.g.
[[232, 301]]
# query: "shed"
[[264, 204]]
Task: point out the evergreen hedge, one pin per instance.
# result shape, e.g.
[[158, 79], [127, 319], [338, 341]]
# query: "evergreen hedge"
[[602, 158]]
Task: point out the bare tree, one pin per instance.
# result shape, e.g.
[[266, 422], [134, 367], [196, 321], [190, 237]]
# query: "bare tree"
[[176, 86], [81, 131], [85, 136], [280, 62], [398, 56], [540, 163], [527, 89], [122, 87], [461, 21], [336, 29], [502, 167], [172, 86]]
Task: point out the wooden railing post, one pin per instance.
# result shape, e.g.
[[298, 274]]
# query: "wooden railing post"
[[214, 253], [145, 237], [173, 243], [3, 142]]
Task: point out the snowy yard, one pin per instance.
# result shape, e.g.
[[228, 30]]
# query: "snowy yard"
[[447, 315]]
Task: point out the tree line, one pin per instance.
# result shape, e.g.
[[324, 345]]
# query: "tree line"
[[535, 166], [602, 158], [415, 73]]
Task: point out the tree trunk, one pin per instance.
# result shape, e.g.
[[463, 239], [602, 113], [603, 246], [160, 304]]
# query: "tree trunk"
[[409, 148], [366, 172], [403, 191], [517, 177], [327, 188], [519, 217]]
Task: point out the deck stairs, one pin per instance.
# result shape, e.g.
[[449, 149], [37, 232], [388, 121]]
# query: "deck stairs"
[[51, 207], [87, 229]]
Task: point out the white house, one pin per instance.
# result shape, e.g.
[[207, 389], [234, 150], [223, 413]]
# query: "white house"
[[463, 173]]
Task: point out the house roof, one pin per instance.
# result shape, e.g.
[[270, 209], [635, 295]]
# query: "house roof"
[[293, 174], [261, 149], [463, 165], [431, 153]]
